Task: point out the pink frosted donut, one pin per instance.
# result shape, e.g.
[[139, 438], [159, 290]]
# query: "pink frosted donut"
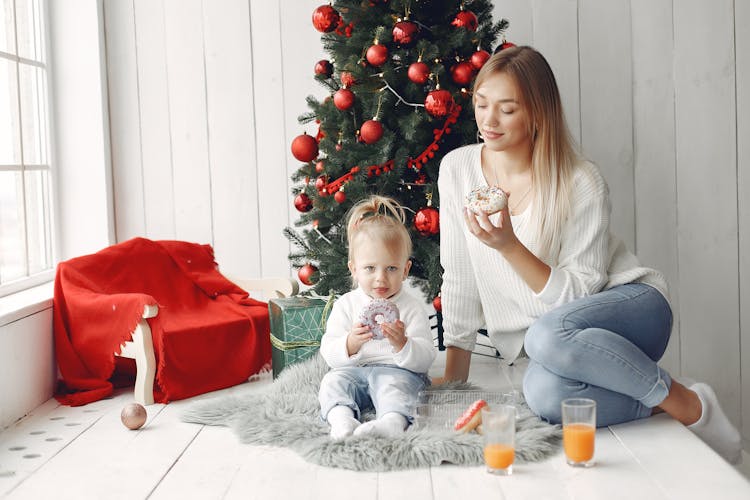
[[376, 312], [471, 418], [487, 199]]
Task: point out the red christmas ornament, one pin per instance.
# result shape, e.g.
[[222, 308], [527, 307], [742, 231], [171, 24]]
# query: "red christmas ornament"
[[439, 103], [377, 54], [325, 18], [340, 197], [324, 67], [506, 45], [437, 303], [321, 182], [478, 58], [347, 80], [466, 19], [427, 221], [462, 73], [371, 131], [404, 32], [343, 99], [320, 166], [418, 72], [305, 274], [302, 202], [305, 147]]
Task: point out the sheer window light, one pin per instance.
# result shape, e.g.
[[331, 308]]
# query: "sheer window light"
[[26, 256]]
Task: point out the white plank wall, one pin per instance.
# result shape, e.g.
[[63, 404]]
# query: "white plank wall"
[[231, 121], [742, 48], [707, 231], [205, 95], [153, 106], [270, 136], [655, 163], [604, 52]]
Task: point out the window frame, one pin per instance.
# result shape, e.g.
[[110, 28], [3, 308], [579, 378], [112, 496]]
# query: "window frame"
[[40, 87]]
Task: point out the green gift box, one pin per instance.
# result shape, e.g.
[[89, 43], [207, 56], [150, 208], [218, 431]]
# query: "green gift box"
[[297, 325]]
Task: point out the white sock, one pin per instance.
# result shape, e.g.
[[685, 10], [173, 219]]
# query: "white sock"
[[389, 425], [714, 428], [342, 421]]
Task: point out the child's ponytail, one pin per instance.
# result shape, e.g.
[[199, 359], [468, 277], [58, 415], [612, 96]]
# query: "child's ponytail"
[[378, 216]]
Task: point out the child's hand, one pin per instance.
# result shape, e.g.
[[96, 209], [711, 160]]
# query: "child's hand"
[[357, 337], [395, 333]]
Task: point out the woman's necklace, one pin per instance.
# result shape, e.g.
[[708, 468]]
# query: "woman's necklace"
[[512, 209]]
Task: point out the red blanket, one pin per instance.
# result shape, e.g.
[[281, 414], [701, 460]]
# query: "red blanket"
[[208, 334]]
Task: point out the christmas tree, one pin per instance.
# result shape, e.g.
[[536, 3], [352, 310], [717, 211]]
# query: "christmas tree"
[[399, 76]]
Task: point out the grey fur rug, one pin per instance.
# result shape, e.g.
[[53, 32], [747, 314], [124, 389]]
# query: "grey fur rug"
[[287, 415]]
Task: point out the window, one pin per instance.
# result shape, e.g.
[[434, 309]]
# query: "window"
[[26, 256]]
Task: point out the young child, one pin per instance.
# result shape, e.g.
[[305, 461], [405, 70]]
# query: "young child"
[[385, 373]]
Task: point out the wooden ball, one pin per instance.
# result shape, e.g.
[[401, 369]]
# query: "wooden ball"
[[133, 416]]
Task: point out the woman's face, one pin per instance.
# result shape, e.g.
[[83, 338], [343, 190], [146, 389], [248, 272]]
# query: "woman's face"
[[501, 115]]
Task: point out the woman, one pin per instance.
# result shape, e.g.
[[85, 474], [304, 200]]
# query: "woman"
[[546, 276]]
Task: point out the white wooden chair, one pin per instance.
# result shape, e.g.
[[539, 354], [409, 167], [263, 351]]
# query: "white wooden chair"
[[141, 347]]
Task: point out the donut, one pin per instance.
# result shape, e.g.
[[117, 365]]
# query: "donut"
[[471, 418], [378, 311], [487, 199]]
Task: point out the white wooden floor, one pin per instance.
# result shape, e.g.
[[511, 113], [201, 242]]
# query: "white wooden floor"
[[86, 453]]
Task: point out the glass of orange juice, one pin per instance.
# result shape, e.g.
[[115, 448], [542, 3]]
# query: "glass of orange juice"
[[499, 434], [579, 430]]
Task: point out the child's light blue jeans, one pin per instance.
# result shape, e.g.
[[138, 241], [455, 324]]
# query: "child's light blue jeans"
[[603, 347], [383, 387]]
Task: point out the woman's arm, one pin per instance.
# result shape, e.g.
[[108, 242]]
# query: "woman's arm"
[[502, 238], [462, 307], [457, 363], [583, 258]]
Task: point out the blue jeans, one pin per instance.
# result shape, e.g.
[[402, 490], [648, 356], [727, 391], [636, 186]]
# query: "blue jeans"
[[385, 388], [603, 347]]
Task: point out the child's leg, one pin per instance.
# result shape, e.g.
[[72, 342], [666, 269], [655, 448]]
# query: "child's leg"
[[389, 425], [394, 394], [341, 392], [342, 421]]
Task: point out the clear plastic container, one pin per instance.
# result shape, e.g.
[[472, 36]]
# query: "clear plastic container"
[[440, 409]]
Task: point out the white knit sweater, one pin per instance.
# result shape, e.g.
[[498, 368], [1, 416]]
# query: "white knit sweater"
[[481, 290], [417, 354]]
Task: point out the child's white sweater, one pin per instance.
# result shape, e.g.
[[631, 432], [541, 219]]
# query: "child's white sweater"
[[417, 354]]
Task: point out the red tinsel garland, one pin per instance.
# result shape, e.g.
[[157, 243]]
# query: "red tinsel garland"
[[415, 163]]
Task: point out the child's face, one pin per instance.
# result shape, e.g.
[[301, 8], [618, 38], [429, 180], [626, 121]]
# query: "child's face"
[[378, 270]]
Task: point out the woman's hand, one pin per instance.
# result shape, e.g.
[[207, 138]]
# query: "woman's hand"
[[357, 337], [395, 333], [502, 238], [457, 364], [499, 236]]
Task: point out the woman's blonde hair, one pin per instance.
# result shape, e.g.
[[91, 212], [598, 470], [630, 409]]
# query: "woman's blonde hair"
[[380, 218], [554, 153]]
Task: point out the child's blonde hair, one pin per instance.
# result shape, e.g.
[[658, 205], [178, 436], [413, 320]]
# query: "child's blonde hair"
[[379, 218]]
